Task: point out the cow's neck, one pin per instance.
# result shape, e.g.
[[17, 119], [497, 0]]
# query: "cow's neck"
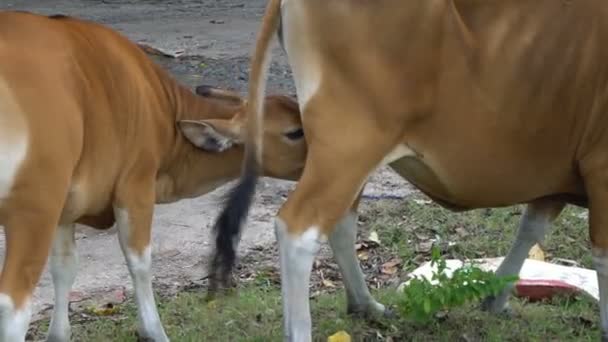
[[187, 171]]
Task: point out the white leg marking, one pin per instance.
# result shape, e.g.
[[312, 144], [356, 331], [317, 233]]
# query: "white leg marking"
[[12, 155], [400, 151], [305, 66], [63, 266], [532, 230], [600, 263], [13, 323], [140, 265], [342, 242], [296, 256]]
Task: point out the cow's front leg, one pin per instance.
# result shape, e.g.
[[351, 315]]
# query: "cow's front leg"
[[133, 211], [596, 184], [536, 220]]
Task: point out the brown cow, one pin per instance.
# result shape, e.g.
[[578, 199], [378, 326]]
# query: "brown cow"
[[477, 103], [92, 131]]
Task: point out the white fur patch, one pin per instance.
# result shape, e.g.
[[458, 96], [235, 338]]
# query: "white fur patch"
[[296, 256], [400, 151], [13, 323], [306, 70], [63, 266], [140, 268]]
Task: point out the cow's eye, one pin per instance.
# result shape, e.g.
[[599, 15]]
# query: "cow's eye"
[[296, 134]]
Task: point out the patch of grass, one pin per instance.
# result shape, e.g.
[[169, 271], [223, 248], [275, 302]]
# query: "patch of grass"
[[406, 230], [406, 226], [255, 315]]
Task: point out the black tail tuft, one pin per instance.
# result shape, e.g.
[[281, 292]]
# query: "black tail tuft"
[[228, 227]]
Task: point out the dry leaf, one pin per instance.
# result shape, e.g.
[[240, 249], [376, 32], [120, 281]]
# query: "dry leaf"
[[340, 336], [461, 232], [373, 236], [536, 253], [363, 255], [389, 270], [328, 283], [392, 263], [390, 267]]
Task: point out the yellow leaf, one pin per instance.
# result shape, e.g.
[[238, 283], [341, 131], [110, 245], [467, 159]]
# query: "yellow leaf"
[[340, 336], [363, 255], [212, 304], [106, 310], [536, 253]]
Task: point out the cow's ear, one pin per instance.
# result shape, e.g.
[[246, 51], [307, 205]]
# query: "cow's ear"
[[211, 135]]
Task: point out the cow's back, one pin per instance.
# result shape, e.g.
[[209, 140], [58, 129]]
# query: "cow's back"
[[91, 101]]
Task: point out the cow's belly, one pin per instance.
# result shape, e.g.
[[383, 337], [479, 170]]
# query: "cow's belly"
[[470, 184], [89, 202]]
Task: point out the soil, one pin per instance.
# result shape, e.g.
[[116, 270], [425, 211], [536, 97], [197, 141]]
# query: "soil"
[[213, 40]]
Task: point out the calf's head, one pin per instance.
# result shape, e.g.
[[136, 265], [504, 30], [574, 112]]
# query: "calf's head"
[[284, 142]]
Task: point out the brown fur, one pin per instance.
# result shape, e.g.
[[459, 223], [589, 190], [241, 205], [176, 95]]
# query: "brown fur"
[[476, 91], [498, 102], [103, 124]]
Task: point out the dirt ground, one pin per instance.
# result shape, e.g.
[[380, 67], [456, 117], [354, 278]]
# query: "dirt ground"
[[214, 39]]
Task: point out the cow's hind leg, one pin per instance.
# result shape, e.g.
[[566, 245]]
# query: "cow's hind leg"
[[30, 219], [133, 211], [342, 241], [337, 167], [63, 266], [536, 220]]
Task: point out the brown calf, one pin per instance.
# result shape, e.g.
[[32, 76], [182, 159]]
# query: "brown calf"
[[94, 132], [477, 103]]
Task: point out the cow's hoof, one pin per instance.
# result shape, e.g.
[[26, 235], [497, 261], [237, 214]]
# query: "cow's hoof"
[[370, 311], [497, 306]]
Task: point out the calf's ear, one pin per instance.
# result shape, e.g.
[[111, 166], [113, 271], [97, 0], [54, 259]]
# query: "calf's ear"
[[211, 135]]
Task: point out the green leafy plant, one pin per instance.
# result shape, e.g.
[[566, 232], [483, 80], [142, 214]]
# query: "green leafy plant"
[[421, 299]]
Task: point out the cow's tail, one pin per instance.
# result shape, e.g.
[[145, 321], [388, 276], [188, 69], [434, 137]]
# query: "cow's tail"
[[228, 225]]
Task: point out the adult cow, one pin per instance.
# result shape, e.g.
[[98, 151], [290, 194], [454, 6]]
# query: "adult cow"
[[477, 103], [92, 131]]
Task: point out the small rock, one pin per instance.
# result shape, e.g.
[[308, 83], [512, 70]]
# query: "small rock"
[[424, 246], [461, 232]]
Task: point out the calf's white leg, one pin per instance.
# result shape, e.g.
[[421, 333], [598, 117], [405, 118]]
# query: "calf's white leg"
[[134, 237], [63, 267]]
